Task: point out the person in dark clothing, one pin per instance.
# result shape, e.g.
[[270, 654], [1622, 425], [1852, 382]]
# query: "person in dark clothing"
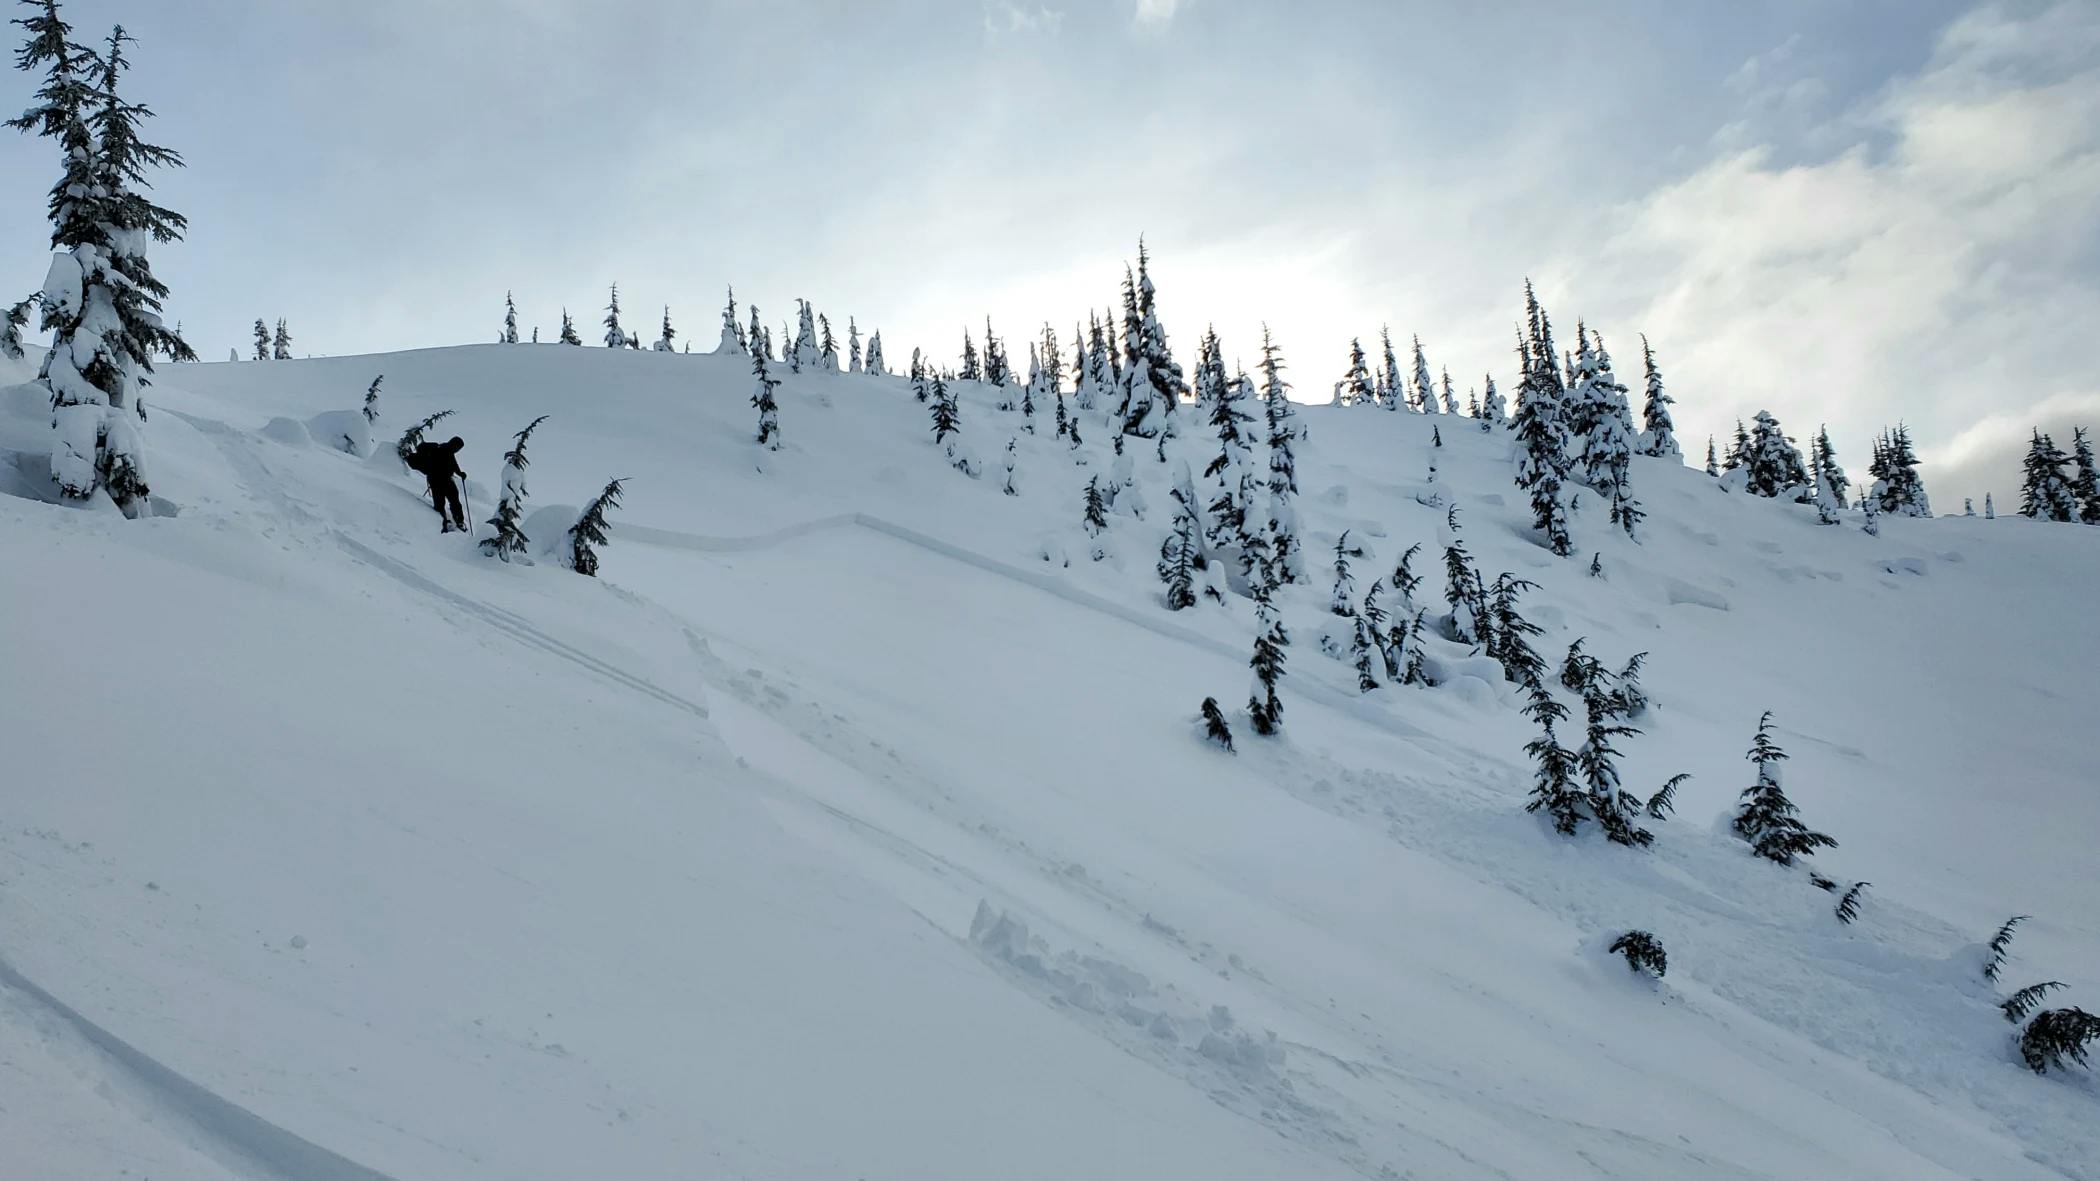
[[439, 463]]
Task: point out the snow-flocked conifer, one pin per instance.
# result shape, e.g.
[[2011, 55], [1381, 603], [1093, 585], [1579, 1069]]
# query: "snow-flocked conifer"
[[731, 342], [509, 520], [1614, 808], [1151, 382], [281, 343], [1424, 389], [1285, 551], [874, 365], [969, 370], [1492, 411], [371, 409], [589, 531], [1773, 463], [1234, 512], [666, 335], [510, 320], [2045, 492], [1658, 430], [1554, 789], [1463, 590], [2057, 1036], [1356, 388], [1343, 601], [916, 377], [100, 303], [1848, 906], [762, 401], [997, 370], [262, 341], [2085, 484], [1898, 488], [805, 354], [1177, 557], [568, 330], [827, 348], [615, 336], [1643, 952], [947, 419], [1766, 817], [1388, 391], [1521, 664], [1270, 640], [853, 362], [1214, 727], [1094, 510], [1990, 509]]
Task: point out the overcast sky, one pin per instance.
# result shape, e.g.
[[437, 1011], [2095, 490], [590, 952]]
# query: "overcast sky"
[[1845, 212]]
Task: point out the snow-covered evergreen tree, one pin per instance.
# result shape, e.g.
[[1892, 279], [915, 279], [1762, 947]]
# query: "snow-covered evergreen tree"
[[1007, 462], [510, 320], [1356, 388], [1151, 384], [762, 401], [568, 330], [1214, 727], [2085, 484], [757, 339], [998, 371], [731, 341], [509, 537], [805, 354], [615, 336], [2045, 491], [16, 318], [1235, 523], [1828, 473], [1285, 551], [2057, 1036], [1658, 430], [1773, 463], [588, 534], [667, 335], [1615, 809], [947, 417], [1096, 378], [1450, 398], [827, 347], [1990, 509], [1178, 556], [1464, 592], [281, 343], [1555, 789], [1343, 601], [1093, 509], [1897, 490], [853, 362], [262, 340], [969, 370], [1765, 817], [1492, 411], [1739, 450], [1521, 663], [916, 377], [100, 302], [874, 365], [1713, 465], [1270, 642], [371, 409], [1424, 388], [1541, 462], [1608, 440]]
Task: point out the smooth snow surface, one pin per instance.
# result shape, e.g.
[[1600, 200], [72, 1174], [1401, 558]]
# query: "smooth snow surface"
[[834, 833]]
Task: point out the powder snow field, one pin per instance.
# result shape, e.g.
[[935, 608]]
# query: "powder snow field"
[[835, 833]]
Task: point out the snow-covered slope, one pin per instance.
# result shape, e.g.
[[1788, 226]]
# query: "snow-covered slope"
[[834, 833]]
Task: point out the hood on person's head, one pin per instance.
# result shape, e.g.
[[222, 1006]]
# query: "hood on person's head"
[[455, 443]]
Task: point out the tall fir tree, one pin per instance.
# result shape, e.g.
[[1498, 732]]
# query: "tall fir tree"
[[371, 408], [615, 336], [730, 343], [1285, 550], [1355, 388], [1658, 430], [1773, 463], [1555, 789], [262, 340], [1615, 809], [1151, 385], [510, 320], [1235, 524], [1713, 465], [509, 536], [969, 370], [1828, 473], [1492, 411], [1270, 644], [568, 330], [1899, 489], [590, 532], [947, 418], [1424, 389], [874, 366], [667, 335], [1765, 817], [1521, 663], [100, 304], [2085, 484], [2045, 492], [1390, 388], [853, 359], [281, 343], [997, 370], [763, 401], [827, 347]]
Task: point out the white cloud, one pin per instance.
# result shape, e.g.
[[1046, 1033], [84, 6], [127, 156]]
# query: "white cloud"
[[1156, 12], [1940, 270]]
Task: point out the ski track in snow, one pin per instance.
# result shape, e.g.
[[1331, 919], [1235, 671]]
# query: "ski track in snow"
[[245, 1142]]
